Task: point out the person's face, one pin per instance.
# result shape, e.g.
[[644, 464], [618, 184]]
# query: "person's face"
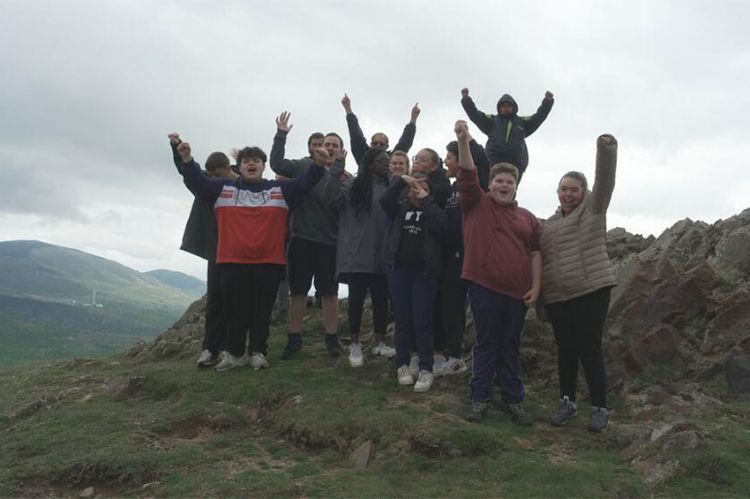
[[399, 165], [332, 145], [570, 193], [379, 141], [380, 164], [506, 109], [451, 163], [503, 188], [314, 144], [423, 162], [251, 169]]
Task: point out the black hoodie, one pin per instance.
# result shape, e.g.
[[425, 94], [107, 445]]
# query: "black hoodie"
[[506, 135]]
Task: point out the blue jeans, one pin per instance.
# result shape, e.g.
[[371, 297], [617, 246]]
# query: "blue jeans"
[[413, 297], [498, 320]]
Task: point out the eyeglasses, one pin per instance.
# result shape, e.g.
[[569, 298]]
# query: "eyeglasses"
[[379, 143]]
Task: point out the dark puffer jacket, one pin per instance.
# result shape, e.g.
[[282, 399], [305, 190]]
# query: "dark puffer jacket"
[[506, 136]]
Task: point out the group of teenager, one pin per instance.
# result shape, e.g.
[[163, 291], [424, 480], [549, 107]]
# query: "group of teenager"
[[418, 244]]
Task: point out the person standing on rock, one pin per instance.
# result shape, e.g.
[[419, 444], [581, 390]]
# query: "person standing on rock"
[[200, 238], [506, 131], [413, 256], [577, 278], [503, 264], [312, 247], [251, 214], [359, 257]]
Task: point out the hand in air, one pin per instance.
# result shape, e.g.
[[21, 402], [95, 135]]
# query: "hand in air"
[[347, 103], [174, 138], [282, 121], [415, 112], [464, 93], [549, 95], [185, 152], [462, 130]]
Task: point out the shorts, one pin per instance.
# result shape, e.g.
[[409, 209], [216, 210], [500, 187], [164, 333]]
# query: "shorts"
[[308, 259]]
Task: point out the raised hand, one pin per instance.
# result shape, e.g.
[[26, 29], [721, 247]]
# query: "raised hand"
[[549, 95], [282, 121], [464, 93], [342, 155], [462, 131], [174, 138], [415, 112], [347, 103], [185, 152], [320, 156], [606, 140]]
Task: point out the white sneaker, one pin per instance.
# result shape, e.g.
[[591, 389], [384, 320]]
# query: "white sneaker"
[[438, 365], [454, 366], [207, 359], [404, 376], [424, 383], [258, 361], [356, 359], [414, 366], [229, 361], [384, 350]]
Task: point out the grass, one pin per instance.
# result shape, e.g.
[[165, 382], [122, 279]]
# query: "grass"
[[290, 430]]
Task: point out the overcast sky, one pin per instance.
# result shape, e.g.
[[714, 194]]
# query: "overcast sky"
[[90, 89]]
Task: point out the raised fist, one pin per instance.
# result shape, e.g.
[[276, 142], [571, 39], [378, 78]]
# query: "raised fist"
[[464, 93], [174, 138]]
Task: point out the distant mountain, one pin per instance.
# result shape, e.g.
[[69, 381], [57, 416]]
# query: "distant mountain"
[[58, 302], [187, 283]]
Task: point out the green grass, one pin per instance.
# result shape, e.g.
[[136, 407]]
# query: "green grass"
[[289, 431]]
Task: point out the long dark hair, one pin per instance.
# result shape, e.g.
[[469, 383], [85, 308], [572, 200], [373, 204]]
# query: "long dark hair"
[[360, 196]]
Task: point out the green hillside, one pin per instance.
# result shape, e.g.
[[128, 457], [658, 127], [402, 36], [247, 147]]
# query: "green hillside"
[[186, 283], [46, 309]]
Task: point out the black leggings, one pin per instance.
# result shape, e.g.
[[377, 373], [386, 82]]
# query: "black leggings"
[[578, 326], [359, 284]]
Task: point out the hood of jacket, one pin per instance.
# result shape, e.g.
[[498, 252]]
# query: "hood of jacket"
[[507, 98]]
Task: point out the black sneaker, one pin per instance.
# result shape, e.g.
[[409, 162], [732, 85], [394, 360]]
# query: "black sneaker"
[[599, 420], [564, 412], [293, 345], [332, 345], [475, 412], [518, 414]]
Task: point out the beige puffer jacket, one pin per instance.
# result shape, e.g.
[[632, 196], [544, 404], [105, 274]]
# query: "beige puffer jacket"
[[574, 246]]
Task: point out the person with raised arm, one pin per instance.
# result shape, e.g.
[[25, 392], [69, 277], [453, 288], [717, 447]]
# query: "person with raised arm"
[[577, 279], [506, 131], [379, 141], [200, 238], [503, 264], [450, 317], [251, 214], [312, 247]]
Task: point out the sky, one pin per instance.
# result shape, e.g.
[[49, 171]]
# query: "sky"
[[90, 90]]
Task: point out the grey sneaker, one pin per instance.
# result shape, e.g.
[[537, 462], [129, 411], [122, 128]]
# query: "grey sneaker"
[[229, 361], [384, 350], [258, 361], [424, 383], [518, 414], [564, 412], [207, 359], [599, 420], [404, 376], [356, 359], [454, 366], [476, 411]]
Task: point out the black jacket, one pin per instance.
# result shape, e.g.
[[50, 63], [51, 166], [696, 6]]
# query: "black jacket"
[[506, 136], [201, 232], [396, 203]]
